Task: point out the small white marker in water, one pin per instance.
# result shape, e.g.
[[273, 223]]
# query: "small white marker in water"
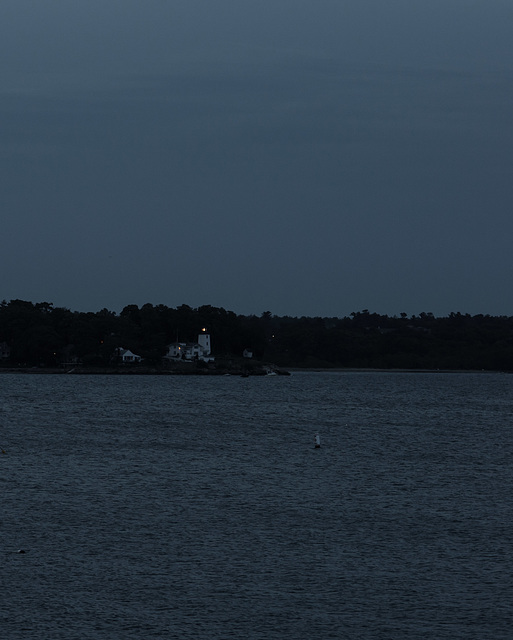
[[317, 441]]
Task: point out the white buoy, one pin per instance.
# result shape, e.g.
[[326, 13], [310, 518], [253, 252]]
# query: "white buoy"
[[317, 441]]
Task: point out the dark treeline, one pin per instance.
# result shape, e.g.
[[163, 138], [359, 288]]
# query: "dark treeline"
[[43, 335]]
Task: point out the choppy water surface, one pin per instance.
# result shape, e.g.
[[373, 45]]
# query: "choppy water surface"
[[197, 507]]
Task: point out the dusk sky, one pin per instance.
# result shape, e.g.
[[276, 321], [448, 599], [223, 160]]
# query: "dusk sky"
[[306, 158]]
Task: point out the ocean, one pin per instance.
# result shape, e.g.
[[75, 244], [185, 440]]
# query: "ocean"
[[197, 507]]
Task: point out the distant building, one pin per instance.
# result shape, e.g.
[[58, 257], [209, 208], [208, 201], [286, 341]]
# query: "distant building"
[[204, 342], [190, 351], [247, 353], [68, 356], [5, 351], [126, 356]]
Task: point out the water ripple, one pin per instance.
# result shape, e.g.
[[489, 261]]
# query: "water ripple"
[[199, 508]]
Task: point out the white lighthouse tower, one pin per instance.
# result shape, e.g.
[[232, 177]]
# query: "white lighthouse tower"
[[204, 342]]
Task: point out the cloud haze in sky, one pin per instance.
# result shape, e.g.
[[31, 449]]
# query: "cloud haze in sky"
[[307, 158]]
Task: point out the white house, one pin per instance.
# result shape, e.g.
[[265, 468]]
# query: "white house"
[[190, 351], [126, 356]]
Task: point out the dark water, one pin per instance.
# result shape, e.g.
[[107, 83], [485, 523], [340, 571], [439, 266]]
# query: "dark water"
[[171, 507]]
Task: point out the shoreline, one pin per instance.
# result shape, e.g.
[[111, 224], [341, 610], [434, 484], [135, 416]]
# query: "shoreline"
[[142, 371], [220, 372]]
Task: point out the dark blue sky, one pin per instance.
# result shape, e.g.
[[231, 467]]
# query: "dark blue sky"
[[307, 158]]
